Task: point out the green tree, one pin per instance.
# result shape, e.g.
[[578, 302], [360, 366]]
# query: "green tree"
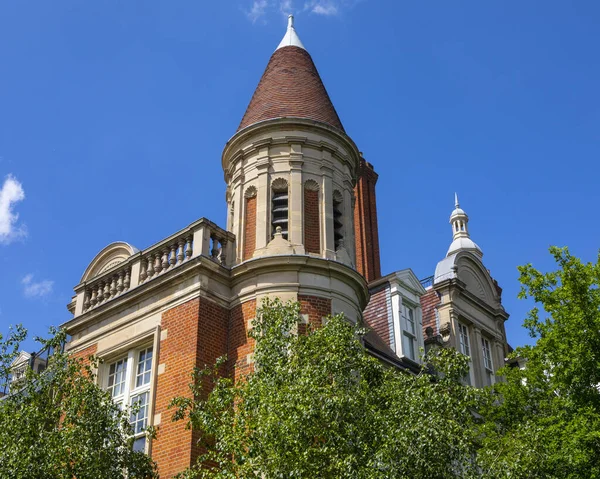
[[545, 421], [58, 424], [317, 405]]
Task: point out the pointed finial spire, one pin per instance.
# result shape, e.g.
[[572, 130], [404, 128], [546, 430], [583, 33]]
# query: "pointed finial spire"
[[456, 204], [290, 39]]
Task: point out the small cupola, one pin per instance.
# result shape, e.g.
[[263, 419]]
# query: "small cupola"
[[461, 239]]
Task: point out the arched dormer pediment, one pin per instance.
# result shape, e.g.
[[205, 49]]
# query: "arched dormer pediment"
[[107, 258], [468, 268], [476, 277]]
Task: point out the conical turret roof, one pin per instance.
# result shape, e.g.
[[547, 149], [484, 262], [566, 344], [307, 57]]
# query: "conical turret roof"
[[291, 87]]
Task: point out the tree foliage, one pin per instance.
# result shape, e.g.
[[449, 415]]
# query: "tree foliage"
[[58, 424], [317, 405], [545, 422]]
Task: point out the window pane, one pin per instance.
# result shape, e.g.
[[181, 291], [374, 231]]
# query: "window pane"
[[116, 377], [408, 319], [140, 444], [487, 354], [139, 418], [144, 367], [463, 336], [408, 346]]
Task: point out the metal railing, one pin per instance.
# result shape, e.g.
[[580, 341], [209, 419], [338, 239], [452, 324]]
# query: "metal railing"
[[427, 282]]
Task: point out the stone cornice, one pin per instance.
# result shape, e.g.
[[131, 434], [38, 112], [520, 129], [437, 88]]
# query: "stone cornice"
[[231, 150], [305, 264], [478, 303]]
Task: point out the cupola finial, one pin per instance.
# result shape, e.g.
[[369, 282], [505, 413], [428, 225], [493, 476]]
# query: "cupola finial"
[[291, 38], [460, 231]]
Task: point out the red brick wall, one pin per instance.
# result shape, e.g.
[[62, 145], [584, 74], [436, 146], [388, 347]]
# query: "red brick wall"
[[196, 334], [312, 230], [239, 344], [249, 228], [429, 302], [86, 353], [377, 313], [317, 308], [365, 223]]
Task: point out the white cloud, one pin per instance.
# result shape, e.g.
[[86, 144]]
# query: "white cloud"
[[11, 192], [323, 7], [33, 289], [258, 10], [286, 7]]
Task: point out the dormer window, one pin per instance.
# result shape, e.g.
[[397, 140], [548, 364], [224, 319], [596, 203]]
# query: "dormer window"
[[409, 332]]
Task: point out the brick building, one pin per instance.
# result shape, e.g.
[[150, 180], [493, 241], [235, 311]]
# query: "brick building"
[[301, 225]]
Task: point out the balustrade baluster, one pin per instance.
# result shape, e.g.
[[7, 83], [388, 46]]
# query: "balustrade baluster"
[[181, 247], [222, 250], [113, 286], [120, 283], [100, 292], [127, 280], [150, 266], [214, 252], [106, 291], [165, 259], [86, 299], [172, 258], [143, 271], [188, 247], [157, 264], [94, 298]]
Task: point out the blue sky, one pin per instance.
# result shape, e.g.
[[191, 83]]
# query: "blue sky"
[[113, 116]]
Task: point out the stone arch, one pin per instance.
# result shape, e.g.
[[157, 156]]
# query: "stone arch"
[[279, 184], [476, 278], [338, 197], [107, 258], [311, 185], [250, 192]]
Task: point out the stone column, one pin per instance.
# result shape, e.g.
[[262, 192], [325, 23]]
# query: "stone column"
[[295, 203], [263, 198], [349, 242], [498, 354], [327, 204]]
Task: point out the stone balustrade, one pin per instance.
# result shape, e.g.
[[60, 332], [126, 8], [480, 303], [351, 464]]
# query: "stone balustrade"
[[109, 286], [201, 238]]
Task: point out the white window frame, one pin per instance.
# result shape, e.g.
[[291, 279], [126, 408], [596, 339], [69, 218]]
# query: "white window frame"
[[406, 311], [464, 343], [488, 360], [131, 390]]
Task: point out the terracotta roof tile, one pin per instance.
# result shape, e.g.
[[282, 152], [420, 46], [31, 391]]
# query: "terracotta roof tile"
[[291, 87]]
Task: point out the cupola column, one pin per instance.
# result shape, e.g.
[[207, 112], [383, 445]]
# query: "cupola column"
[[263, 220], [327, 215], [296, 230]]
